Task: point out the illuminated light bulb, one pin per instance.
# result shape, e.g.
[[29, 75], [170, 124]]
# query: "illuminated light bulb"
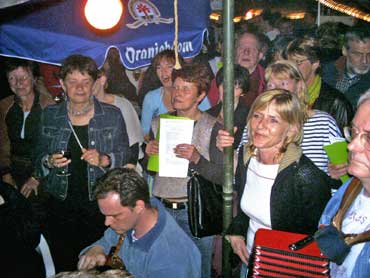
[[103, 15], [248, 15]]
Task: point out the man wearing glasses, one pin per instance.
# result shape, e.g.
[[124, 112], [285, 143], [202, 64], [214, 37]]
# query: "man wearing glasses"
[[350, 74], [345, 224]]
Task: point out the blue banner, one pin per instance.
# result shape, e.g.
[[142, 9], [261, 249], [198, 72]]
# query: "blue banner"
[[51, 31]]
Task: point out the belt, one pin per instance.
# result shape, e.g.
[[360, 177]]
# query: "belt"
[[173, 205]]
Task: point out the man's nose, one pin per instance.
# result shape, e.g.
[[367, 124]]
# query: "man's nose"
[[107, 221], [247, 51]]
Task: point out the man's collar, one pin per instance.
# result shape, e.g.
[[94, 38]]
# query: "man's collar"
[[146, 241]]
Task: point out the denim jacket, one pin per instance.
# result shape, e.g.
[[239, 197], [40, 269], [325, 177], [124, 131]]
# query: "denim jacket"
[[362, 265], [106, 133]]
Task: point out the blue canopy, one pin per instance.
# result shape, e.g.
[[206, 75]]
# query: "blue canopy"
[[52, 30]]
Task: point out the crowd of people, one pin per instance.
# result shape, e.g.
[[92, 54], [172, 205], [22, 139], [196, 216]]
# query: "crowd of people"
[[75, 170]]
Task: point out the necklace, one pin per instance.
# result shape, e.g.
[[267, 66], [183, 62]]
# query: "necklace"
[[81, 112]]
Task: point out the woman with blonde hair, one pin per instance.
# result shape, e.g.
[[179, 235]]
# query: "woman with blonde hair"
[[319, 127], [279, 187]]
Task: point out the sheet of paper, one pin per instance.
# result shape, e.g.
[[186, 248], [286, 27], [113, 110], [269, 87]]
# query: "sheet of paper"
[[173, 132]]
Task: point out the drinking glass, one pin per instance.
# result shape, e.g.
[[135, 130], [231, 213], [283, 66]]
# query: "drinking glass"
[[63, 172]]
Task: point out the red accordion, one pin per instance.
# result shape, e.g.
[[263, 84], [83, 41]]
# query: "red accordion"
[[272, 257]]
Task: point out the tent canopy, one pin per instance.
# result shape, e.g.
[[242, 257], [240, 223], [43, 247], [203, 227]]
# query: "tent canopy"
[[52, 30]]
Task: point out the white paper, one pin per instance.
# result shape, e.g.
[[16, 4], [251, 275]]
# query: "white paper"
[[172, 133]]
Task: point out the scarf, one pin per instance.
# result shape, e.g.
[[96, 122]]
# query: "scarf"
[[314, 90]]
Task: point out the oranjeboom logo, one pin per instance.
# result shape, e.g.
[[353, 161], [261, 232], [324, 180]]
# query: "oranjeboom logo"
[[133, 55], [145, 12]]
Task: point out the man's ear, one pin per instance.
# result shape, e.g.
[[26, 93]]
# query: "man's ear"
[[316, 65], [260, 56], [139, 206], [344, 51]]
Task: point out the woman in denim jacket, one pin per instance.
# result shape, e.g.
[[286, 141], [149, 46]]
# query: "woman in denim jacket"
[[95, 135]]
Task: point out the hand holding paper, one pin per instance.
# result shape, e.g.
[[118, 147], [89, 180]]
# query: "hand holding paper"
[[188, 152]]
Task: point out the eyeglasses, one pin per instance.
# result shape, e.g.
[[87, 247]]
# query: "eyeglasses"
[[351, 133], [16, 79], [300, 62]]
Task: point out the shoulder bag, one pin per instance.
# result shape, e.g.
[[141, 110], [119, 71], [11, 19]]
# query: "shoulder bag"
[[205, 206]]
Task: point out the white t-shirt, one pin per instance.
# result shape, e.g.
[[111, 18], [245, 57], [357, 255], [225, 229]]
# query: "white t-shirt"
[[133, 127], [255, 201], [357, 220]]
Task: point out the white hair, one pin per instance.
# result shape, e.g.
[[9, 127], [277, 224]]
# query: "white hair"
[[364, 97]]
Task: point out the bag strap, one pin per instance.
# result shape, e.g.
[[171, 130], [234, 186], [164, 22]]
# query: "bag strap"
[[350, 195]]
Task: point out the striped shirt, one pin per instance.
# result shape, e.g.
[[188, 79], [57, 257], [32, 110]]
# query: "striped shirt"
[[319, 130]]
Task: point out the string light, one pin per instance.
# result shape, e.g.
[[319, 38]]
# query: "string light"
[[296, 15], [352, 11]]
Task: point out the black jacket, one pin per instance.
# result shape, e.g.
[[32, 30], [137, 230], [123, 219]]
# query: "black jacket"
[[19, 236], [298, 196], [336, 104]]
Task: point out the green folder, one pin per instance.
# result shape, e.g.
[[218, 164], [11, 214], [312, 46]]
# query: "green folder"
[[337, 153], [153, 162]]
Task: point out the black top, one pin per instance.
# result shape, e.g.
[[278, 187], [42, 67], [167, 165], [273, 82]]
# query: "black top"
[[77, 181], [336, 104]]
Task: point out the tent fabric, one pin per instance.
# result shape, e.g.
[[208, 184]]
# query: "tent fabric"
[[49, 32]]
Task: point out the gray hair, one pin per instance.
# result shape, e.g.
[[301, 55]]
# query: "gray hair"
[[357, 33], [363, 98]]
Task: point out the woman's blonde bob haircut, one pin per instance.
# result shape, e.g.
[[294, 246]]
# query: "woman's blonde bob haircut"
[[289, 109], [284, 69]]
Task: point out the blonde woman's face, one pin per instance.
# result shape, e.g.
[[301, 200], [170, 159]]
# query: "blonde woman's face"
[[268, 129], [288, 84]]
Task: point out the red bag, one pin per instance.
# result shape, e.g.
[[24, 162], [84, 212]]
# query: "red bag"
[[272, 257]]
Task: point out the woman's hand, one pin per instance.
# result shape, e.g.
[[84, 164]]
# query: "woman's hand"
[[57, 160], [239, 247], [188, 152], [152, 147], [30, 185], [224, 139], [338, 170], [94, 158]]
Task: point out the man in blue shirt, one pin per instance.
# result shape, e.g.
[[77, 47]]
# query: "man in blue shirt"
[[342, 226], [154, 245]]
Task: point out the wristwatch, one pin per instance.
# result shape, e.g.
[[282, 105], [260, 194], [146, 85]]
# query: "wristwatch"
[[47, 161]]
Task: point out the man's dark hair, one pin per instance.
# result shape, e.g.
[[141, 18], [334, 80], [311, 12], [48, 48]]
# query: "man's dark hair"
[[14, 63], [241, 77], [357, 33], [80, 63], [271, 17], [130, 186]]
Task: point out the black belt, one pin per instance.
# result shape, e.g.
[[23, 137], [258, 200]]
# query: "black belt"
[[173, 205]]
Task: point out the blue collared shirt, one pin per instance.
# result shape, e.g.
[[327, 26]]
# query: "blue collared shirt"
[[362, 265], [164, 251]]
